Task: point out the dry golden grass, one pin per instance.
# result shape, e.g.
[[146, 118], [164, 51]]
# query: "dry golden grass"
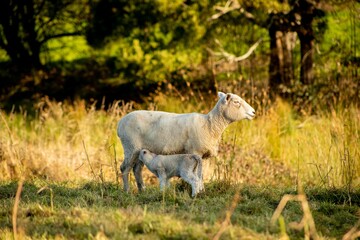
[[75, 141]]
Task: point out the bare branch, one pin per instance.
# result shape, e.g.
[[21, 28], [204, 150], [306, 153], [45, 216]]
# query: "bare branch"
[[353, 233], [307, 219], [16, 206], [227, 220], [47, 38], [225, 56], [249, 52], [231, 5]]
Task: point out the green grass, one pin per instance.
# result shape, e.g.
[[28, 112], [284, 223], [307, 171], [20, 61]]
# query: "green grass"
[[91, 209]]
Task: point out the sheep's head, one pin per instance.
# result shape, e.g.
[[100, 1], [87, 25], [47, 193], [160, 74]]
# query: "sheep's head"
[[146, 156], [234, 108]]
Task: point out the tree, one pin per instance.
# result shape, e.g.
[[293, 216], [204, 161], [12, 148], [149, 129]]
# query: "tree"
[[284, 18], [27, 25]]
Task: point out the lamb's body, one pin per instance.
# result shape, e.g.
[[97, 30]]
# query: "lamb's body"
[[170, 133], [186, 166]]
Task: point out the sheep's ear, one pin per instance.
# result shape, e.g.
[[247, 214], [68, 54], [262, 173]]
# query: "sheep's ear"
[[221, 94], [228, 97]]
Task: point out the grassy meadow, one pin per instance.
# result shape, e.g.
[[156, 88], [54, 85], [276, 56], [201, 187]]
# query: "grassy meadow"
[[60, 176]]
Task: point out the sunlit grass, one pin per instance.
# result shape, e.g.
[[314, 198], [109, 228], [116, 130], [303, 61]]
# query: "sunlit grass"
[[69, 155], [56, 141], [64, 141], [320, 150]]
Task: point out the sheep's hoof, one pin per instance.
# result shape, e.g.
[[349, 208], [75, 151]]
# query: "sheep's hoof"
[[141, 187], [126, 189]]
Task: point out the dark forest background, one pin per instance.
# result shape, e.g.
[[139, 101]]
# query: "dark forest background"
[[305, 51]]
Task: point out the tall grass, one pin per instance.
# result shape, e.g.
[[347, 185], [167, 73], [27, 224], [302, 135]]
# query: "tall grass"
[[320, 149], [50, 142], [75, 141]]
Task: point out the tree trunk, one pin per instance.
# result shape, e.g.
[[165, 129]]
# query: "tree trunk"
[[274, 67], [281, 73], [288, 45], [19, 35], [305, 31], [307, 55]]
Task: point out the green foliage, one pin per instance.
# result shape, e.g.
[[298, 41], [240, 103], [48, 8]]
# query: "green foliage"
[[67, 49], [148, 40], [25, 28]]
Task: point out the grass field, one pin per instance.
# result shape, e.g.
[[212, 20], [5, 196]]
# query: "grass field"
[[65, 158], [96, 210]]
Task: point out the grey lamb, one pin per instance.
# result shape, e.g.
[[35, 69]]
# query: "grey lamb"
[[186, 166]]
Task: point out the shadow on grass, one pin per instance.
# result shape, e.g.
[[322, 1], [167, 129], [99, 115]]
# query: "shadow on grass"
[[87, 209]]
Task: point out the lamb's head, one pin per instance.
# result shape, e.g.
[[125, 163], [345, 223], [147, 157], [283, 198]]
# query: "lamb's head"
[[234, 108], [146, 156]]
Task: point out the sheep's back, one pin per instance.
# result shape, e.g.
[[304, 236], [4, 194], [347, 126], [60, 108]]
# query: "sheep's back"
[[160, 132]]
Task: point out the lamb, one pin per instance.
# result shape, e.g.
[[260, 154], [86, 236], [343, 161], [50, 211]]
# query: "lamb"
[[186, 166], [170, 133]]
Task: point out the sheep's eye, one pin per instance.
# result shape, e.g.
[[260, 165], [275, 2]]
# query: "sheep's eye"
[[237, 103]]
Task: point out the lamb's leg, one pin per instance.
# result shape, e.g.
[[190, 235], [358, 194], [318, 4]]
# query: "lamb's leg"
[[200, 177], [138, 174], [162, 179], [192, 180], [201, 184], [167, 183]]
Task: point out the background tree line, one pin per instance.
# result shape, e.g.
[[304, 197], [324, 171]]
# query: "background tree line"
[[297, 49]]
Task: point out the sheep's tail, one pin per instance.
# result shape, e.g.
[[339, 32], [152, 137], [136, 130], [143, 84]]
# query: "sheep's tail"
[[198, 164]]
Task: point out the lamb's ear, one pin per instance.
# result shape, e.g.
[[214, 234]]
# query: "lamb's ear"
[[221, 94]]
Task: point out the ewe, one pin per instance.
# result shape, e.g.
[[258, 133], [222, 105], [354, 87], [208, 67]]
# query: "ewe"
[[170, 133], [186, 166]]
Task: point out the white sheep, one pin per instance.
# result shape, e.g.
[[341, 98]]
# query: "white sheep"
[[170, 133], [186, 166]]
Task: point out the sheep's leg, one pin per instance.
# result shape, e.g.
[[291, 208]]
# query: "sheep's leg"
[[137, 169], [167, 182], [201, 184], [162, 184], [162, 179], [125, 169], [130, 157], [191, 179], [200, 176]]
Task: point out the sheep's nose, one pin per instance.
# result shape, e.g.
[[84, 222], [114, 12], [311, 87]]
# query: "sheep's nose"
[[253, 112]]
